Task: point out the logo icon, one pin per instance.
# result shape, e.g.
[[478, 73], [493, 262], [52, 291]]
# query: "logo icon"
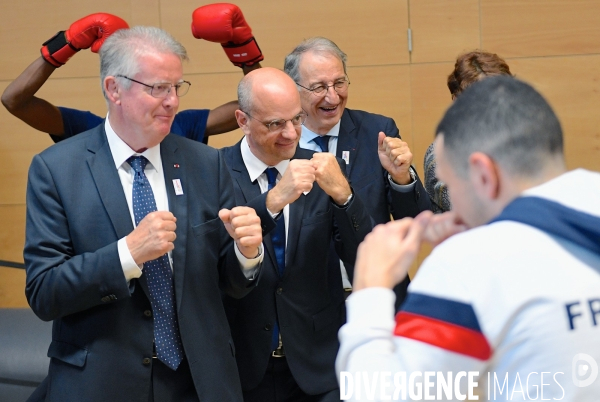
[[585, 370]]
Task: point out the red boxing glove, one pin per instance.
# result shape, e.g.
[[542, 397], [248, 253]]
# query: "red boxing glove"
[[88, 31], [224, 23]]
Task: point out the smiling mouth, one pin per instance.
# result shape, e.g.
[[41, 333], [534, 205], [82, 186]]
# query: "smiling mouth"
[[329, 109]]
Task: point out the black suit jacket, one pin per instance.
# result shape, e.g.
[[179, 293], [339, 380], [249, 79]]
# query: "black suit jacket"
[[308, 300], [103, 328], [358, 135]]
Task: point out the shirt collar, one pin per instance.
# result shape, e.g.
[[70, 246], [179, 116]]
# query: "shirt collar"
[[309, 135], [255, 166], [121, 151]]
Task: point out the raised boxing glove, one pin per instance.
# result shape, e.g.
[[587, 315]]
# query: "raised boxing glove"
[[88, 31], [224, 23]]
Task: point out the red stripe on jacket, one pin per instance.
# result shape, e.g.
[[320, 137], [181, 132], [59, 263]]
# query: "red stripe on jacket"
[[442, 334]]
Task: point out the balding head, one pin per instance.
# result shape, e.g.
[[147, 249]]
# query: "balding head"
[[262, 84], [266, 95]]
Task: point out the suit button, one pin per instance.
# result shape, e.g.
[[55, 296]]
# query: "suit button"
[[279, 291], [146, 361], [148, 313], [268, 327], [105, 299]]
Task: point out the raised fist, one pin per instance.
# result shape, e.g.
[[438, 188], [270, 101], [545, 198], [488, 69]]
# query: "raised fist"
[[90, 31], [224, 23]]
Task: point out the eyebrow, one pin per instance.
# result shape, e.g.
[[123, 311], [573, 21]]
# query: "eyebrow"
[[323, 83], [281, 118]]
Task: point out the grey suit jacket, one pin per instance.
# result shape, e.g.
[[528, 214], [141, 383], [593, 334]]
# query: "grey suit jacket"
[[103, 328]]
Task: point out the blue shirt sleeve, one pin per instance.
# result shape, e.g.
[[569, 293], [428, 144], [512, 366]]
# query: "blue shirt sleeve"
[[191, 124], [75, 122]]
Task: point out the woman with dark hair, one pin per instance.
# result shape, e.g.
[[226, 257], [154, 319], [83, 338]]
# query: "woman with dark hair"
[[469, 68]]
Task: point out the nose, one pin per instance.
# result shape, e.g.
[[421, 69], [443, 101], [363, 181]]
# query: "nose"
[[171, 100], [331, 94], [290, 131]]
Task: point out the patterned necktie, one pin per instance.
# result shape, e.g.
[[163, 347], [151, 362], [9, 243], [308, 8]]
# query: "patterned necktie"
[[159, 276], [322, 142], [278, 240]]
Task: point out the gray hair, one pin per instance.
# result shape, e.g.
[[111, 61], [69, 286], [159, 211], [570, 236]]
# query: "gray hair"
[[505, 119], [317, 44], [244, 93], [120, 53]]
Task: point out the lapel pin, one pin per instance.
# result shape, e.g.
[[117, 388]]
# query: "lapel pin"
[[177, 186], [346, 156], [176, 166]]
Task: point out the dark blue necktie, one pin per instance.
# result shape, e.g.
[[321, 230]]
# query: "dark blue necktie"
[[158, 276], [278, 234], [278, 240], [322, 142]]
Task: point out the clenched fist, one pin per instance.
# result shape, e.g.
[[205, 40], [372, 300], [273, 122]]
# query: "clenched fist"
[[330, 178], [297, 179], [153, 236], [395, 157], [243, 225]]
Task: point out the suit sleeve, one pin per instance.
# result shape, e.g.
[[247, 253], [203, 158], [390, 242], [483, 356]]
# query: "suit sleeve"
[[352, 223], [60, 282], [232, 279], [405, 204]]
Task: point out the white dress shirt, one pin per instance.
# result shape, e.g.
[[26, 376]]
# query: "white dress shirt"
[[154, 172]]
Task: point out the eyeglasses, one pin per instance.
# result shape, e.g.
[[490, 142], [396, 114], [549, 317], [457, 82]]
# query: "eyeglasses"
[[340, 87], [162, 89], [278, 125]]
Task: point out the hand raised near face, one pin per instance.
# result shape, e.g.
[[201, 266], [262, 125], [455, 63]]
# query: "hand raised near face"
[[386, 254], [330, 178], [442, 226], [297, 179], [395, 157]]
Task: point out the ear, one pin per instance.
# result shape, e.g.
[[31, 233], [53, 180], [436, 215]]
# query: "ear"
[[111, 88], [484, 176], [242, 121]]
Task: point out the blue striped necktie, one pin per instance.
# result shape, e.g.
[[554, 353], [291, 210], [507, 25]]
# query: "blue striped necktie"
[[159, 276]]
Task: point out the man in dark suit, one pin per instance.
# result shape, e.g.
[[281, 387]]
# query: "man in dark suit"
[[379, 162], [125, 250], [285, 331]]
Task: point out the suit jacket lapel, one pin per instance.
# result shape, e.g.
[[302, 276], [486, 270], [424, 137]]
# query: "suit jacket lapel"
[[293, 231], [348, 141], [296, 212], [106, 177], [102, 167], [239, 173], [174, 169]]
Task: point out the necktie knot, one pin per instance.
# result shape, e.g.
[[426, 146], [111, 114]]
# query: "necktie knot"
[[138, 163], [271, 176], [322, 142]]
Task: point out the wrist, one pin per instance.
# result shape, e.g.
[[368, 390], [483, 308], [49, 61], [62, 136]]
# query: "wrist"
[[273, 203], [343, 199], [404, 178]]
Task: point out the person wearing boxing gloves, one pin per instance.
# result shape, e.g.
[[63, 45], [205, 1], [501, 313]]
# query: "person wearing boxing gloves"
[[90, 31], [61, 122], [224, 23]]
